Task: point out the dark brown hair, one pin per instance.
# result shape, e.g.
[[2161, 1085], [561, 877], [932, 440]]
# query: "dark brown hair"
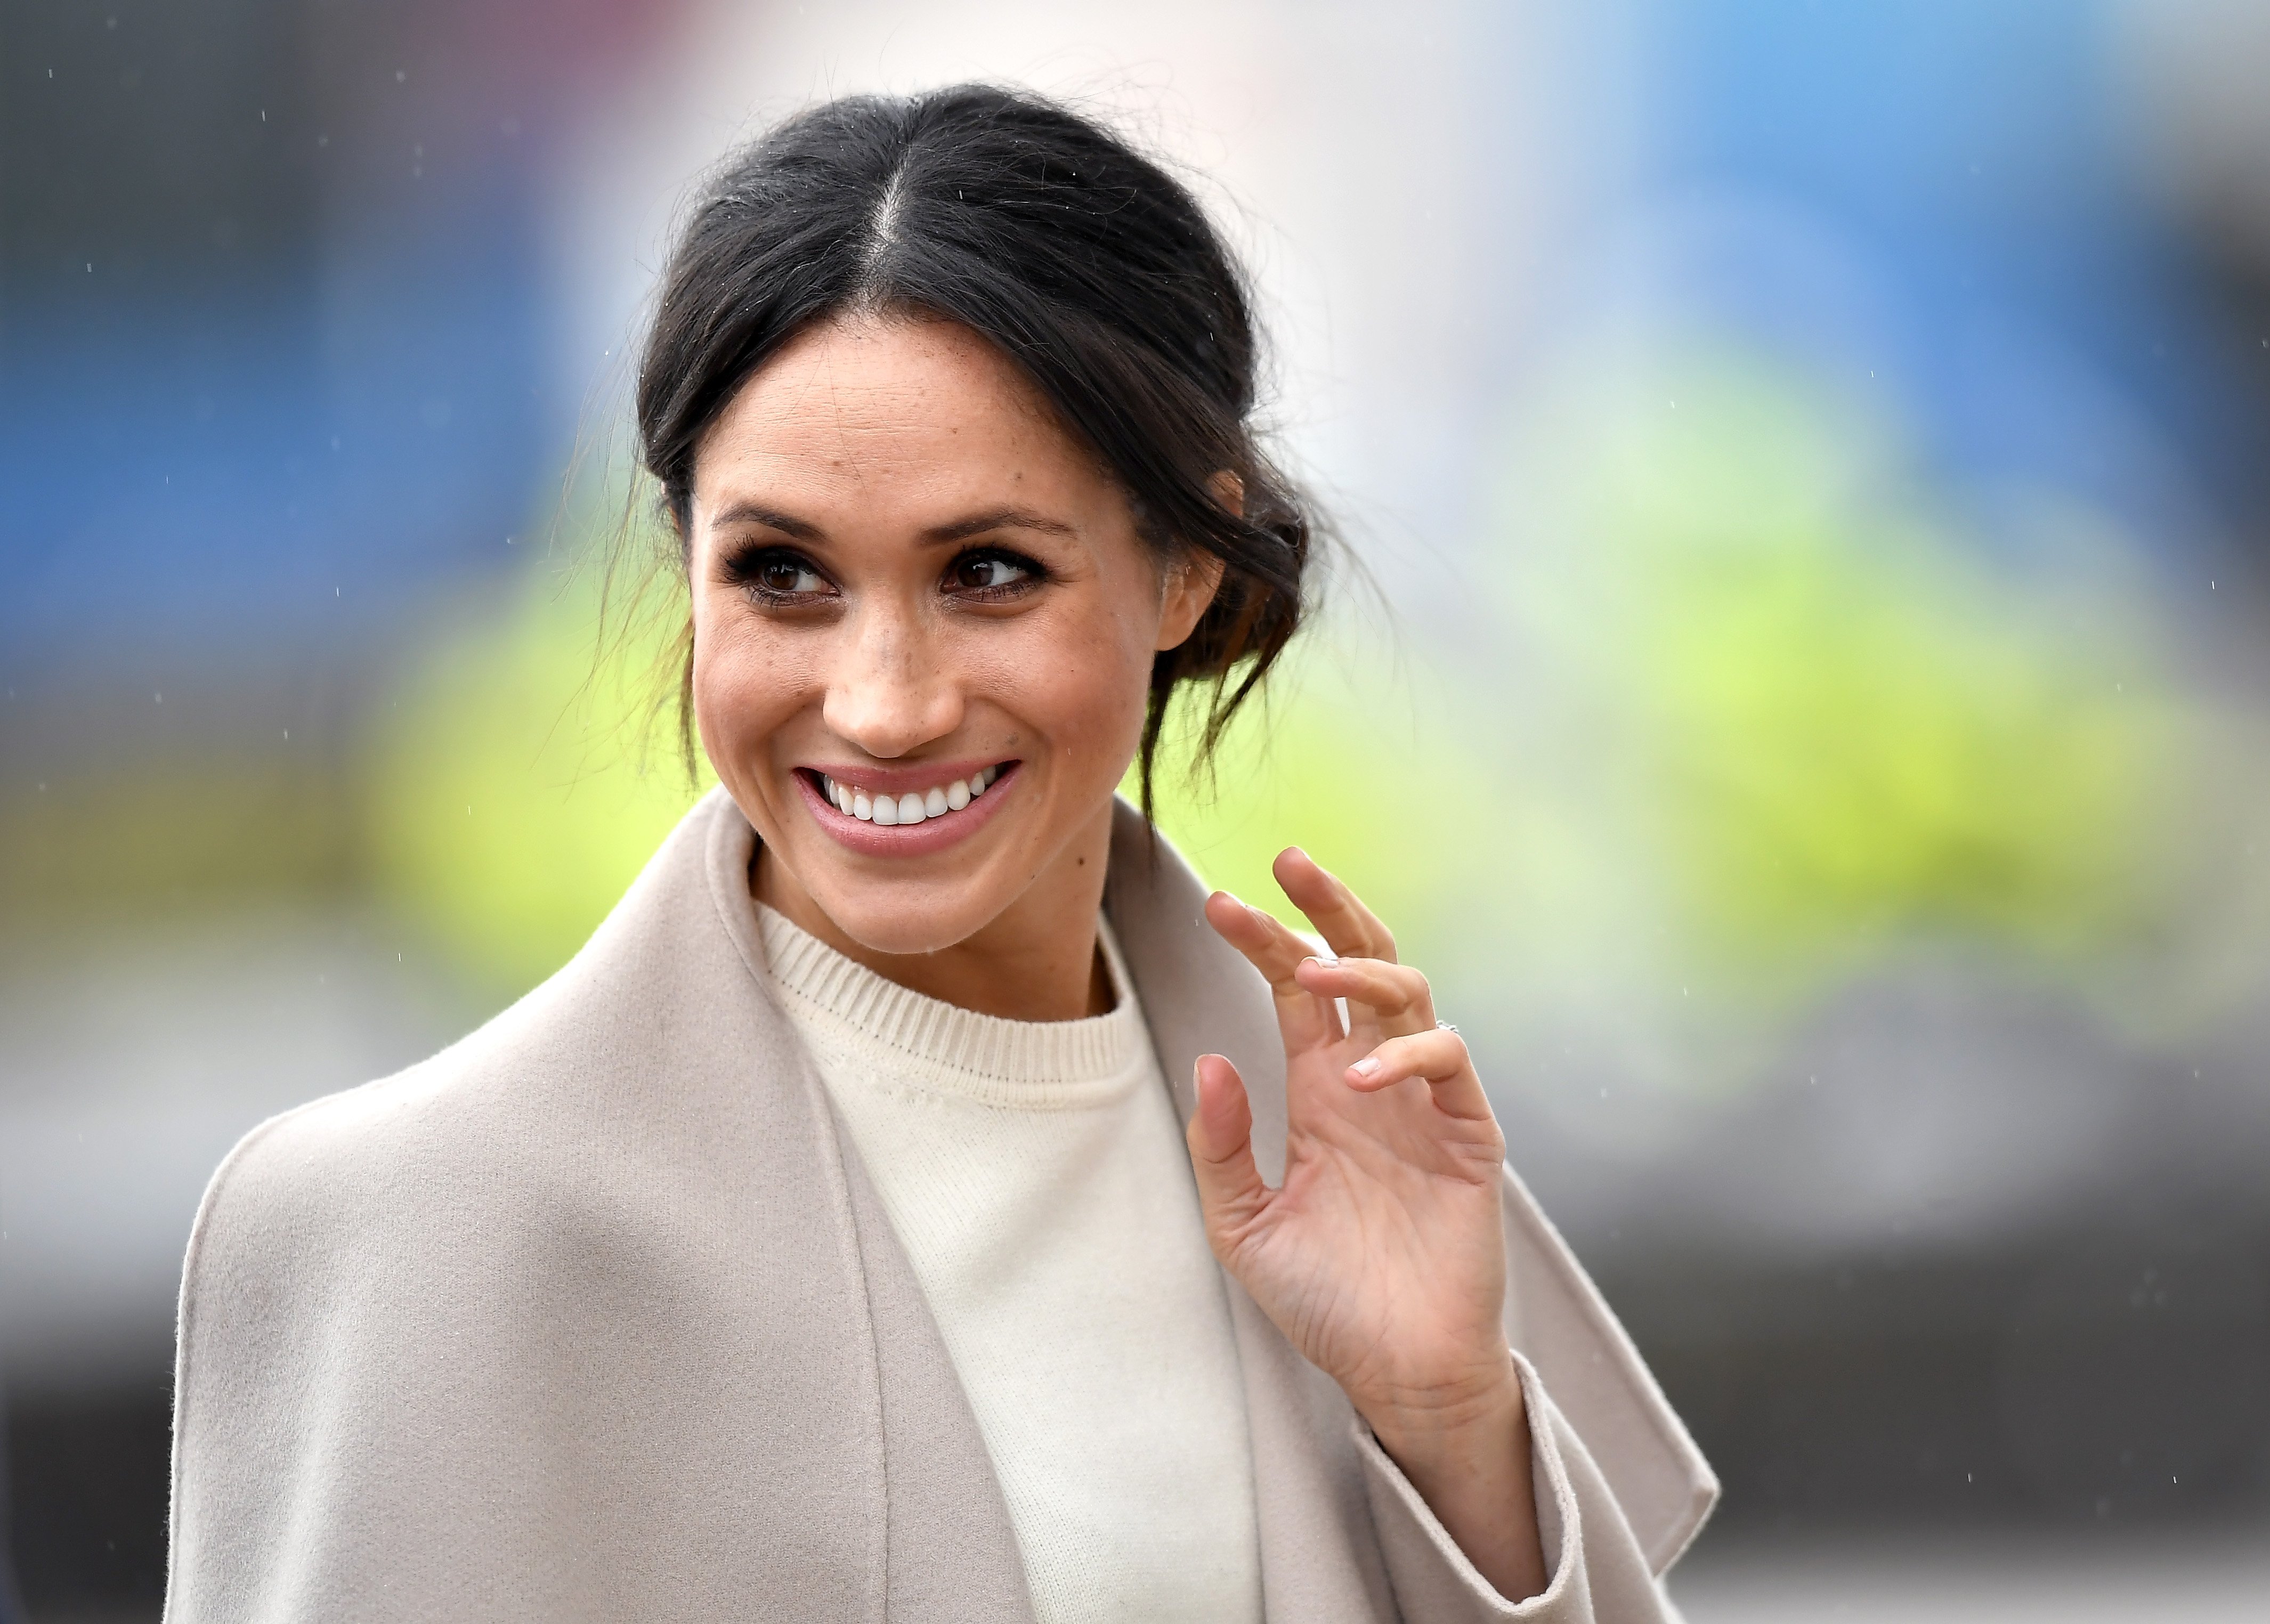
[[1091, 267]]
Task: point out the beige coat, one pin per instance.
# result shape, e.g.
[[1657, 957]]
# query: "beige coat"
[[595, 1315]]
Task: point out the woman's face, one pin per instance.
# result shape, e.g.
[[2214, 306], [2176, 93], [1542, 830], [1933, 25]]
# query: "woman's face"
[[915, 598]]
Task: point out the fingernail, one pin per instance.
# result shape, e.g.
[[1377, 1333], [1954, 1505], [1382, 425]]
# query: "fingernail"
[[1368, 1066]]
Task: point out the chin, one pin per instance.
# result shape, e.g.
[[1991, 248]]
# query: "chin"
[[908, 917]]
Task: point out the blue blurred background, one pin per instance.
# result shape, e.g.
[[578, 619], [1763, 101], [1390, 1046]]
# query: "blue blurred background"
[[1798, 680]]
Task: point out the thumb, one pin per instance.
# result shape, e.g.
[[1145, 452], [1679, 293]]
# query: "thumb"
[[1231, 1191]]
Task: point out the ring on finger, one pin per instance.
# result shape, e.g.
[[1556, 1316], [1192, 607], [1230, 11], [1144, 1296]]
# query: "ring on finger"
[[1444, 1025]]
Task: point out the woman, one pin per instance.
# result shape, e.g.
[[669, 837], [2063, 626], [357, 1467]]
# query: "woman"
[[818, 1244]]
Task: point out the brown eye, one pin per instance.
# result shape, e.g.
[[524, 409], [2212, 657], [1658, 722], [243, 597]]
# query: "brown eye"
[[783, 574], [987, 572]]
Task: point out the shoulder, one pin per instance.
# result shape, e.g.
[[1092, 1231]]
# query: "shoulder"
[[330, 1200], [385, 1140], [528, 1116]]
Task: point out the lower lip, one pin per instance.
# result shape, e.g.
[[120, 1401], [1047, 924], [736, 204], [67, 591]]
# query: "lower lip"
[[907, 840]]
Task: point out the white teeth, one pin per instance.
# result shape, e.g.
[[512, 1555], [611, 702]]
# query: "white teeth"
[[890, 810]]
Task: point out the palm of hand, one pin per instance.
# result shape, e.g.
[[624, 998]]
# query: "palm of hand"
[[1381, 1257]]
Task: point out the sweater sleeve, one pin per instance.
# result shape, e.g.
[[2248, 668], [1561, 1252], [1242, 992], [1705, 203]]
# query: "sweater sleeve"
[[1598, 1574]]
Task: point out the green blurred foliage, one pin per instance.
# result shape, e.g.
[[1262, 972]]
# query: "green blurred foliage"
[[523, 774], [1848, 715], [1351, 753]]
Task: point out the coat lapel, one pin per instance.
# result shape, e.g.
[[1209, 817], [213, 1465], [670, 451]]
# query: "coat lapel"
[[946, 1551]]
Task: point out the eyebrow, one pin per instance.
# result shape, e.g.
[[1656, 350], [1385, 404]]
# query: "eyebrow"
[[941, 535], [997, 519], [754, 513]]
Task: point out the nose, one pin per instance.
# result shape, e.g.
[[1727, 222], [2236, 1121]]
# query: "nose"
[[889, 691]]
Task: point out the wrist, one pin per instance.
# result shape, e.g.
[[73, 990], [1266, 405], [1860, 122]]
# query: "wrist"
[[1466, 1451], [1454, 1423]]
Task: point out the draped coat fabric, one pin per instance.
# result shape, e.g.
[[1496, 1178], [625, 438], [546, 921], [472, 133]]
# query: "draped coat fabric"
[[595, 1315]]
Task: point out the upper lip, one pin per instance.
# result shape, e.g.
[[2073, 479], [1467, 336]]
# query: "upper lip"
[[907, 779]]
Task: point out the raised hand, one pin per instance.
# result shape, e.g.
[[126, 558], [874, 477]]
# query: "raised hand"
[[1382, 1257]]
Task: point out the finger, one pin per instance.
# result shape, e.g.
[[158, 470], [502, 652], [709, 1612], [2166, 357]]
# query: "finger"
[[1221, 1138], [1395, 997], [1347, 926], [1272, 948], [1439, 1057]]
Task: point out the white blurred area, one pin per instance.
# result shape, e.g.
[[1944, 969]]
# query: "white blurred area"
[[125, 1077]]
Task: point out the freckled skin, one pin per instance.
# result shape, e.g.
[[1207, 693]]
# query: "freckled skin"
[[874, 431]]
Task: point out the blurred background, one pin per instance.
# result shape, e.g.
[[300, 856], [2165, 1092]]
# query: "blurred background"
[[1797, 679]]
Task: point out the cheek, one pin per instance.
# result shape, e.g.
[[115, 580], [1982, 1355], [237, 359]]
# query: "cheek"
[[1086, 690], [746, 683]]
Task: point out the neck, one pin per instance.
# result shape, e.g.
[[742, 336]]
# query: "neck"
[[1037, 960]]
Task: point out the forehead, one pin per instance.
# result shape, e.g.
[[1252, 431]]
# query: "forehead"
[[886, 405]]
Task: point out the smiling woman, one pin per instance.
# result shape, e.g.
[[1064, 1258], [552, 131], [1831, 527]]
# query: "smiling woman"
[[920, 1199], [909, 582]]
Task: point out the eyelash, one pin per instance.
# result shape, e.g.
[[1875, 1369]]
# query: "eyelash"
[[747, 570]]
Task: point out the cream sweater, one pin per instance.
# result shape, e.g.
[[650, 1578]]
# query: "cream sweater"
[[1036, 1176]]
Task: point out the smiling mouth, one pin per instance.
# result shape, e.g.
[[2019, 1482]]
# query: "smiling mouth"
[[940, 801]]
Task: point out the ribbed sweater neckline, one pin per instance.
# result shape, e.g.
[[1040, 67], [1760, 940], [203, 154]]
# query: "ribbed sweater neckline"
[[937, 1046]]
